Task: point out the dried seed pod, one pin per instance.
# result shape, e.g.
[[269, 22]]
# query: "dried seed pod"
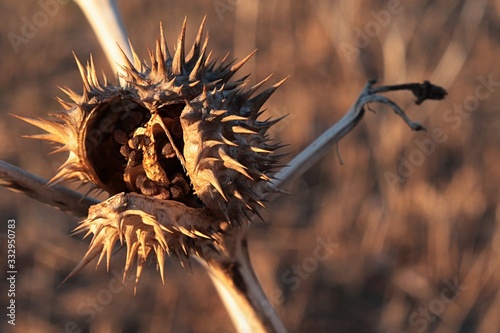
[[187, 134], [141, 231]]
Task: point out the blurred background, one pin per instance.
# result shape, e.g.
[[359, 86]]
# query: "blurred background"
[[403, 237]]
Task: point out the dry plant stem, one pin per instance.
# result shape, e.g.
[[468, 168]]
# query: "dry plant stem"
[[106, 22], [35, 187], [311, 155], [239, 288]]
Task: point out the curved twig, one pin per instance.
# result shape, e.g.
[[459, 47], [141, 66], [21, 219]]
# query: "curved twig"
[[311, 155]]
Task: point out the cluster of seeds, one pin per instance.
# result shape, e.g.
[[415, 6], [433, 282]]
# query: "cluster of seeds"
[[174, 186]]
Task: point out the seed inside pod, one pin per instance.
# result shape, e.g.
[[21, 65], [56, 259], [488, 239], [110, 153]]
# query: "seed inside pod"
[[168, 150], [120, 136], [135, 157], [146, 186], [180, 180], [137, 141], [125, 150], [176, 192], [164, 194], [104, 135]]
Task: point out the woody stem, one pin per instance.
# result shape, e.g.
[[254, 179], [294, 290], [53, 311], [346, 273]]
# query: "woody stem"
[[105, 19], [239, 288]]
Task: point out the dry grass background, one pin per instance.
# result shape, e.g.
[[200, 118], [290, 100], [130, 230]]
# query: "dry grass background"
[[399, 246]]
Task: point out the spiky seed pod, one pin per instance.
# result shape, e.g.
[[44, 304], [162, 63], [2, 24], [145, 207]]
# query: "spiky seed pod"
[[227, 154], [134, 219], [178, 132]]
